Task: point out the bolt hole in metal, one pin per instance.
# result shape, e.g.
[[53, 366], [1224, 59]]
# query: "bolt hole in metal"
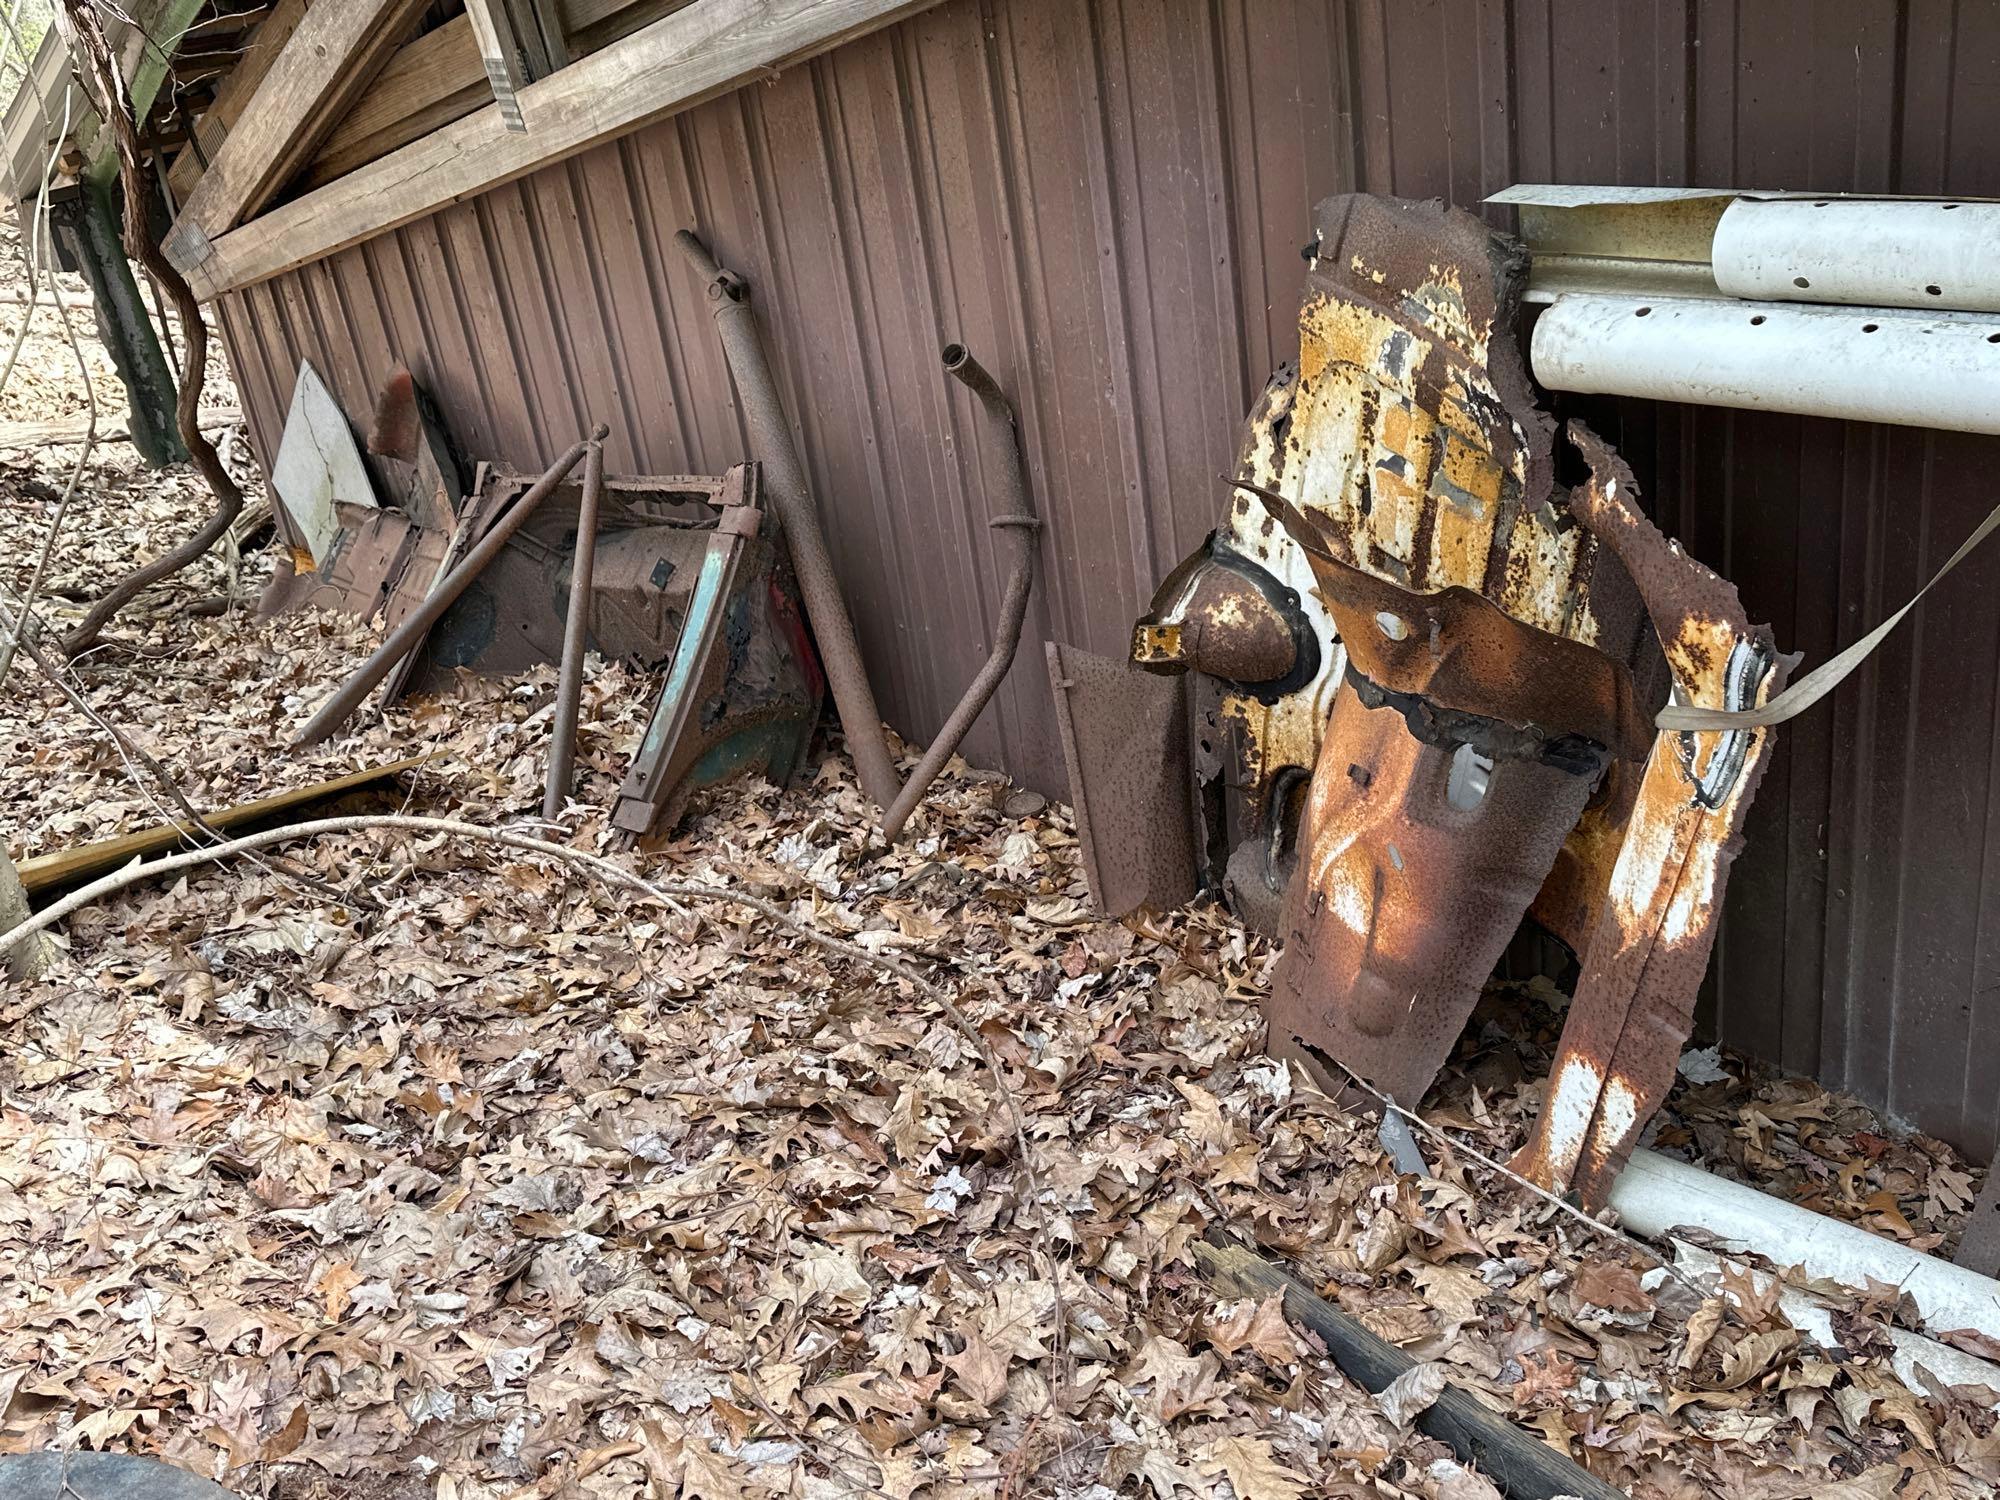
[[1800, 281], [1871, 327], [1466, 782], [1935, 291], [1642, 312], [1393, 626], [1758, 321]]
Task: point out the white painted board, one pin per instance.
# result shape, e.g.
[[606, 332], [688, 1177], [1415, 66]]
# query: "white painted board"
[[319, 465]]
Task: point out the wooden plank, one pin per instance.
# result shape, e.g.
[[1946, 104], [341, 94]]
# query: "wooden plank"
[[432, 73], [539, 25], [322, 69], [233, 94], [73, 429], [439, 77], [86, 861], [519, 42], [679, 61], [591, 25], [504, 56]]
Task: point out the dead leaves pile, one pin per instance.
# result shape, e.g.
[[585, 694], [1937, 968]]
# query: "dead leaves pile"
[[496, 1182]]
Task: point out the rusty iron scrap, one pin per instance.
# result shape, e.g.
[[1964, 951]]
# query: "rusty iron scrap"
[[1649, 947], [1125, 740], [743, 688], [1404, 897], [1469, 736], [1226, 615]]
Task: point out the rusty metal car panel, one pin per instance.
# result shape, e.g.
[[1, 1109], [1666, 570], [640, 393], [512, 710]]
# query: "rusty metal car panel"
[[1475, 738]]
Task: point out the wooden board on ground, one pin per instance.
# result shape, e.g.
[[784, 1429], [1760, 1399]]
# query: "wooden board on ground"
[[109, 430], [67, 867]]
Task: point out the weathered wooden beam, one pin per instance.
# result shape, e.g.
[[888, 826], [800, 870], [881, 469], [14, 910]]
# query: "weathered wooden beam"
[[233, 95], [1524, 1466], [506, 56], [60, 430], [677, 62], [439, 77], [324, 66], [431, 81], [47, 873]]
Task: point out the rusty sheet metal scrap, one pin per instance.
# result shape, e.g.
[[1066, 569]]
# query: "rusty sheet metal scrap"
[[1489, 639], [1477, 717], [1634, 1004], [1411, 880]]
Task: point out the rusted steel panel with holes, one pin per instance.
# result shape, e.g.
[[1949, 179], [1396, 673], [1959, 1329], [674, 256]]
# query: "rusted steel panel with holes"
[[1506, 641], [1111, 197]]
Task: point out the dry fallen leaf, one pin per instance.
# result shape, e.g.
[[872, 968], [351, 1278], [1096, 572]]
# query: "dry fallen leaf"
[[1413, 1392], [1253, 1470]]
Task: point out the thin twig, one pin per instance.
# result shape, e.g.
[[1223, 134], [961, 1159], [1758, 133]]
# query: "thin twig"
[[36, 263], [663, 892]]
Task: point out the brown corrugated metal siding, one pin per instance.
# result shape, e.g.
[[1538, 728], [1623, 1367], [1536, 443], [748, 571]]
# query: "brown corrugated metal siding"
[[1107, 201]]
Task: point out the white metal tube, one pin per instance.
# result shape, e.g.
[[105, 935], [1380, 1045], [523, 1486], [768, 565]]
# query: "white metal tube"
[[1869, 252], [1863, 364], [1654, 1194]]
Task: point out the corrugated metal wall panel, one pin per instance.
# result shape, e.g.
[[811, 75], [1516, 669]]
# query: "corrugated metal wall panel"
[[1106, 200]]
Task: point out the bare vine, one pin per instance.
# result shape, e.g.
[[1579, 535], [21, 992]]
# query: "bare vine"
[[109, 84]]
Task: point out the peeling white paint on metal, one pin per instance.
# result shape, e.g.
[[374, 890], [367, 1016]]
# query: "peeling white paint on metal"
[[1572, 1101], [1866, 252], [1862, 364]]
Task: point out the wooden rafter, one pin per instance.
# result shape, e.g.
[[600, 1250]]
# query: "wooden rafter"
[[519, 41], [692, 55], [439, 77], [233, 94], [324, 66]]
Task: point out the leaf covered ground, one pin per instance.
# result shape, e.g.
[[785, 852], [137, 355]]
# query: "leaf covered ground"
[[490, 1179]]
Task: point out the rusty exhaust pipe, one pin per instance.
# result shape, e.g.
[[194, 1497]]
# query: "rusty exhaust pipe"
[[576, 630], [785, 482], [407, 636], [1021, 528]]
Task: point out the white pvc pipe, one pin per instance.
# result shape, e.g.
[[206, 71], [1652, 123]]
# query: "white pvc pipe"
[[1863, 364], [1815, 1319], [1654, 1194], [1869, 252]]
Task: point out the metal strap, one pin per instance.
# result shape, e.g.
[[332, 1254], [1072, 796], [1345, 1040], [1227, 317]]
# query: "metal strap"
[[1823, 679]]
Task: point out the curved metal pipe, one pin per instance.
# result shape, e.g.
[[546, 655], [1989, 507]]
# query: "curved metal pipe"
[[785, 483], [1020, 527]]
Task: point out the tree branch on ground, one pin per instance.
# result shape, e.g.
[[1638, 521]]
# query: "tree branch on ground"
[[141, 246]]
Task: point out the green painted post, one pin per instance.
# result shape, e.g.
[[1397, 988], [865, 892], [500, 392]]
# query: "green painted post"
[[122, 319], [92, 223]]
